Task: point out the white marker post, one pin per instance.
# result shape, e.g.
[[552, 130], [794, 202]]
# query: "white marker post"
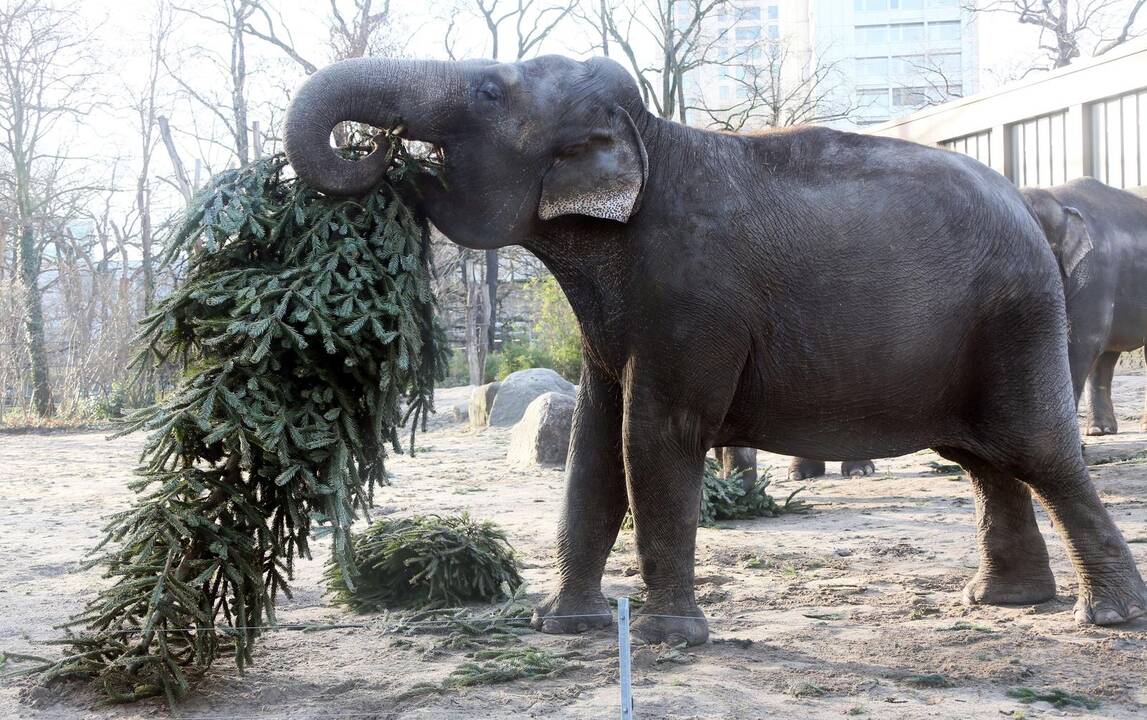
[[623, 658]]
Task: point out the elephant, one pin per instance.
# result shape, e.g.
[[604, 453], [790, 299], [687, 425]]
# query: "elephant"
[[1099, 236], [730, 290]]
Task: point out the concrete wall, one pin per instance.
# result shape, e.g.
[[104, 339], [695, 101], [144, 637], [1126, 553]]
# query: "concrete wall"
[[1059, 118]]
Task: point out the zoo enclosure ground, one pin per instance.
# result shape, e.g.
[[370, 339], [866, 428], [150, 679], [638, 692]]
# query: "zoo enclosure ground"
[[851, 609]]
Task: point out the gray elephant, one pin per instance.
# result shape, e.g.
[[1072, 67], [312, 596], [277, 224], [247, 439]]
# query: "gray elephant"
[[1099, 236], [728, 287]]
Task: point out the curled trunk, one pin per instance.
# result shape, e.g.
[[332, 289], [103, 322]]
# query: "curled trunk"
[[379, 92]]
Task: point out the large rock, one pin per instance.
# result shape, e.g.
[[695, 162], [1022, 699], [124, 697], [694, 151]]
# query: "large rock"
[[519, 389], [481, 401], [542, 436]]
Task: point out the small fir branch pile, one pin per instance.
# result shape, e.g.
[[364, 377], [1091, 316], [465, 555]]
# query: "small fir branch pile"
[[423, 562], [304, 325], [725, 498]]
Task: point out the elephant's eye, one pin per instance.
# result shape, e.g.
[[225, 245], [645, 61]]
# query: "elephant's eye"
[[489, 90]]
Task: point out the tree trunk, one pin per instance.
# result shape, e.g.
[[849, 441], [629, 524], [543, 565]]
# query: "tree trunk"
[[143, 203], [491, 297], [34, 323], [476, 301]]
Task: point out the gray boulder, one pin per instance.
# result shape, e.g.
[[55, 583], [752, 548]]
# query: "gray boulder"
[[460, 412], [481, 401], [519, 389], [542, 436]]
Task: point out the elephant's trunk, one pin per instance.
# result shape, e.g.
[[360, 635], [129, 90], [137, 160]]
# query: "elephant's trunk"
[[383, 93]]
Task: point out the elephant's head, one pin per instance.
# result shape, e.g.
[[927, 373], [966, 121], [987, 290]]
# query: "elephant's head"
[[1065, 229], [523, 143]]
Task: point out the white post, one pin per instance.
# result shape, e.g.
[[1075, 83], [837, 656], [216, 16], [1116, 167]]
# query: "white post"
[[623, 658]]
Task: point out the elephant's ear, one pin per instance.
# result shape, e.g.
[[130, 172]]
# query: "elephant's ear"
[[1076, 240], [602, 176]]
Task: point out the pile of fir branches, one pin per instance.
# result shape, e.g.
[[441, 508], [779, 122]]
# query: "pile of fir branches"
[[725, 497], [305, 329], [424, 562]]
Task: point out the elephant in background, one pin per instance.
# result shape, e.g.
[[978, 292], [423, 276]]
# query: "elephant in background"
[[1099, 236], [705, 271]]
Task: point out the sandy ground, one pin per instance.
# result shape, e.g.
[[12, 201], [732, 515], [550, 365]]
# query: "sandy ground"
[[834, 612]]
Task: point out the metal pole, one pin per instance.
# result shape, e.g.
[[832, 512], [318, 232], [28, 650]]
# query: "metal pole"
[[623, 658]]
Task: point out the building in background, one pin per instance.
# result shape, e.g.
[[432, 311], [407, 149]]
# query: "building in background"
[[898, 55], [866, 60]]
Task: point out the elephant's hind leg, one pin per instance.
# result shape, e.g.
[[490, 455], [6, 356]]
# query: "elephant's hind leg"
[[595, 504], [804, 468], [740, 460], [1110, 588], [857, 468], [1014, 567], [1100, 412], [1043, 451]]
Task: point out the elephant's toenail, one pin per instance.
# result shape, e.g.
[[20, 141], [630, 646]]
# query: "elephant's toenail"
[[1107, 617]]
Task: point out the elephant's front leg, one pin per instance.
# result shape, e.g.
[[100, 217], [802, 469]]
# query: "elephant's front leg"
[[595, 504], [664, 459], [1101, 413]]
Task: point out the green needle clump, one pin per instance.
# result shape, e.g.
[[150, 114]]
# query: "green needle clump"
[[425, 561]]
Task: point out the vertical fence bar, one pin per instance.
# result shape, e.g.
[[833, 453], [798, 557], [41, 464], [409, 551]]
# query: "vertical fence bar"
[[623, 658]]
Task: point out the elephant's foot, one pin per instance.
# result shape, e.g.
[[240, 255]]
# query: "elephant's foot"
[[671, 624], [564, 613], [857, 468], [1102, 425], [803, 469], [1110, 602], [996, 588]]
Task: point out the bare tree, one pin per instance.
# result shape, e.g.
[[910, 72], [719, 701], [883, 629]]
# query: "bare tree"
[[681, 36], [146, 115], [233, 111], [529, 23], [1065, 26], [364, 28], [45, 75], [935, 82], [773, 86]]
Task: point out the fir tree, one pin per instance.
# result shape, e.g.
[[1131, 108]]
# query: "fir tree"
[[306, 334]]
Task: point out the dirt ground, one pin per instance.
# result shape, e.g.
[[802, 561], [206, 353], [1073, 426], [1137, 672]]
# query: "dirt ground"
[[850, 609]]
